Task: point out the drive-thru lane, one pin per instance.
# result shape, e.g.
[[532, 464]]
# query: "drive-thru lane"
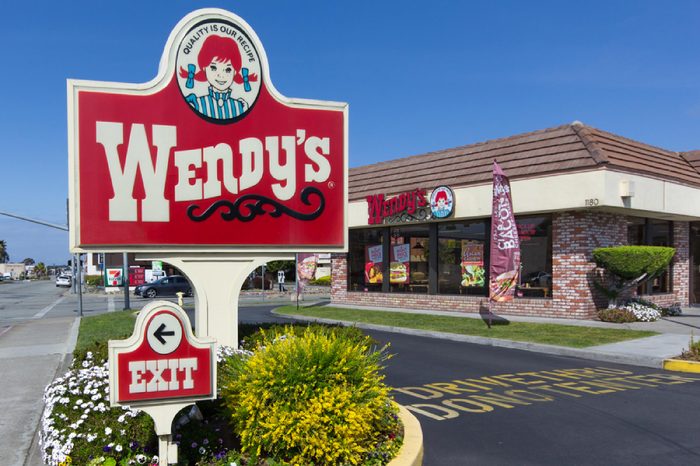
[[485, 405]]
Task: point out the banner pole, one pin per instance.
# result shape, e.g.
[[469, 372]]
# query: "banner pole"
[[296, 277]]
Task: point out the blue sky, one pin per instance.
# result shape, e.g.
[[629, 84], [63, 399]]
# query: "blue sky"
[[419, 76]]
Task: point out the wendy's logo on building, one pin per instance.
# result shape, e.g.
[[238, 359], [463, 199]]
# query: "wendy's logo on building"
[[218, 70], [441, 202]]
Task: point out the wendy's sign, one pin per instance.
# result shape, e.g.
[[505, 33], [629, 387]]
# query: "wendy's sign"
[[208, 154], [404, 207]]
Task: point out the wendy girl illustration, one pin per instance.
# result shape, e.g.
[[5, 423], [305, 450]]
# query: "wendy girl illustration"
[[441, 201], [219, 65]]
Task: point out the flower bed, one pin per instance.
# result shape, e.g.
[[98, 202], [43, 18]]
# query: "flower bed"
[[636, 310], [310, 396]]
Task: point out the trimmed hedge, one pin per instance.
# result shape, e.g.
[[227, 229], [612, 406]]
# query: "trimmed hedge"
[[616, 315], [631, 262]]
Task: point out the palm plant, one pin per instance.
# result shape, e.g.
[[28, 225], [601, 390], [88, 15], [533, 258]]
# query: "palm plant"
[[4, 256]]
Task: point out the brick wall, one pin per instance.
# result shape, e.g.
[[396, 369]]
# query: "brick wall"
[[574, 236]]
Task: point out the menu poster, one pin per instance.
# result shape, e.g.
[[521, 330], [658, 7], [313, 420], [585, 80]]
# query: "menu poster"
[[399, 266], [306, 269], [473, 271], [373, 264]]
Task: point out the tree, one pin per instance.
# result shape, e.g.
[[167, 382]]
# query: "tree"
[[39, 270], [629, 266], [275, 266], [28, 261], [4, 256]]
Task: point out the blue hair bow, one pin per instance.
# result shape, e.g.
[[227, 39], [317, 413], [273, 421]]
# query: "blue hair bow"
[[246, 83], [190, 76]]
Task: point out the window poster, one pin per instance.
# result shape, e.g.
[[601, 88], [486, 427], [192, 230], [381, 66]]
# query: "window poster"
[[373, 264], [473, 271], [399, 266]]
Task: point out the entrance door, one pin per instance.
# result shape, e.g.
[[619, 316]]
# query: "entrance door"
[[695, 263]]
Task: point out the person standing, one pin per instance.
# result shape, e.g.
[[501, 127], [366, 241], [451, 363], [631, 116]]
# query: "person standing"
[[280, 280]]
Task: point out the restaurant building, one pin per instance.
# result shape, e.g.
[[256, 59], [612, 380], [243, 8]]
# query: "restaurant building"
[[419, 226]]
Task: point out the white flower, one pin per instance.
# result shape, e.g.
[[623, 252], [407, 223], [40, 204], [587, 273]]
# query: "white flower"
[[108, 431], [118, 448]]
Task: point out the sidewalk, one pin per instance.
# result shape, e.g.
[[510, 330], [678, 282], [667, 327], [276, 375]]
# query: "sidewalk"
[[674, 338], [32, 354]]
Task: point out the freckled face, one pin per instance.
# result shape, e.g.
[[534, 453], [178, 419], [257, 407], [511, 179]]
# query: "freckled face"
[[220, 74]]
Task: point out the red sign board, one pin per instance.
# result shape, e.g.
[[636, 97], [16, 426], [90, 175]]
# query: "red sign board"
[[137, 276], [207, 154], [162, 361], [406, 204]]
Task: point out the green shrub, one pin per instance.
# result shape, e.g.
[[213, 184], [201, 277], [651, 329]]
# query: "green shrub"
[[257, 334], [314, 398], [616, 315], [94, 280], [630, 262], [321, 281], [628, 267]]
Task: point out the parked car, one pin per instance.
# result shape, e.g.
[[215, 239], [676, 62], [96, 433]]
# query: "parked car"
[[167, 286], [63, 280]]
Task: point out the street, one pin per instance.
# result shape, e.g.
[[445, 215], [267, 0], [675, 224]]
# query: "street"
[[476, 404]]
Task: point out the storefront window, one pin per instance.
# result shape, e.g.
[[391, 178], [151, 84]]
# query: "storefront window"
[[365, 260], [409, 251], [461, 264], [462, 258], [535, 257], [660, 235], [641, 231]]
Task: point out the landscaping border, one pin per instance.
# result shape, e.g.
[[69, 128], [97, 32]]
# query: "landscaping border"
[[680, 365], [411, 451]]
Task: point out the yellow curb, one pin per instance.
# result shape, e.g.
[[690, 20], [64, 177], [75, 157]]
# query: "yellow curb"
[[680, 365], [411, 452]]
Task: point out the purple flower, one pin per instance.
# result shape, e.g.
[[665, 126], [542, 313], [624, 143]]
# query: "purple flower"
[[194, 444], [106, 448]]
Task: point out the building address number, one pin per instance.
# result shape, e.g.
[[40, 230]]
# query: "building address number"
[[591, 202]]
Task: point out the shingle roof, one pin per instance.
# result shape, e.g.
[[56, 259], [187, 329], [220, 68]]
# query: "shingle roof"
[[567, 148]]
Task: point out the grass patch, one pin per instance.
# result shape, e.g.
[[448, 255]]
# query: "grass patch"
[[95, 331], [551, 334]]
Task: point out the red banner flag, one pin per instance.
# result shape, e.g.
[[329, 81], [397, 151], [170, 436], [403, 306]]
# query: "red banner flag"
[[504, 270]]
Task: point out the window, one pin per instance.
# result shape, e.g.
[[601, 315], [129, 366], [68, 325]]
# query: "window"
[[462, 258], [409, 252], [651, 232], [535, 257], [445, 258], [365, 260]]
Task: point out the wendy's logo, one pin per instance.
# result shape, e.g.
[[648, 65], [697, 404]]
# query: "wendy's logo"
[[219, 71], [441, 202]]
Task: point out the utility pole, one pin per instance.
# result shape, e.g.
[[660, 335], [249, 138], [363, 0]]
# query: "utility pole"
[[126, 282]]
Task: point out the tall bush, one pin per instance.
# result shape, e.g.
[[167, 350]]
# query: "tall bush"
[[629, 267], [314, 398]]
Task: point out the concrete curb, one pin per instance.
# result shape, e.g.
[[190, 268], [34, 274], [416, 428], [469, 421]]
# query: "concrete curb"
[[617, 358], [411, 451], [680, 365]]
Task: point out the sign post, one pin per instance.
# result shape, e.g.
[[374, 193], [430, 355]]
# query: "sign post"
[[161, 369]]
